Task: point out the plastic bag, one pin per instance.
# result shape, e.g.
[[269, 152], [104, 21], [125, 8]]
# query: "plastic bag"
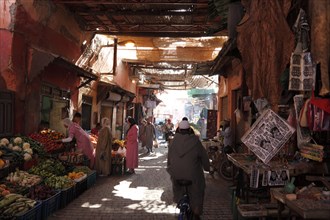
[[155, 143]]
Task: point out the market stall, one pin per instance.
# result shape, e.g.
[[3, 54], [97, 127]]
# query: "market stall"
[[38, 175], [275, 168], [308, 203]]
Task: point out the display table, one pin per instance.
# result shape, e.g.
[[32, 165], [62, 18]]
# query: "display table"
[[304, 207], [247, 161]]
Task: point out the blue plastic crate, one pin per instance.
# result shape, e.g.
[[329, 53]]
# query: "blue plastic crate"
[[81, 187], [67, 195], [91, 179], [50, 205], [32, 214]]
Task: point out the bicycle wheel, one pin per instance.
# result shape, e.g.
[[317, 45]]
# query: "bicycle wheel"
[[227, 170], [187, 215], [212, 163]]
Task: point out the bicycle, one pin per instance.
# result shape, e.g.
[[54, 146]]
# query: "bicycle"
[[214, 157], [227, 169], [219, 162], [184, 203]]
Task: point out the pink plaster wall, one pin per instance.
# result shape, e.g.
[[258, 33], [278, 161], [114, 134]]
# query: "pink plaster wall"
[[122, 79], [20, 31]]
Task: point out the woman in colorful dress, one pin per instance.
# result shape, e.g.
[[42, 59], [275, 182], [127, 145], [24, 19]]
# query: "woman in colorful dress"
[[132, 142], [83, 141]]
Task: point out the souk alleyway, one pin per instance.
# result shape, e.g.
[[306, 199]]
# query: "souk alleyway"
[[144, 195]]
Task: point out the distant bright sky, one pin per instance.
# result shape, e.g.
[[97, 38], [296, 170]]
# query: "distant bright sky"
[[173, 103]]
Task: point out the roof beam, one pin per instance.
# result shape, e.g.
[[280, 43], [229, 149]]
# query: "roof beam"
[[107, 2], [138, 13], [155, 33], [162, 68]]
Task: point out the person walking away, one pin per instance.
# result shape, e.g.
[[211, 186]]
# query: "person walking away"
[[168, 129], [103, 149], [83, 141], [150, 135], [132, 146], [187, 158], [142, 132]]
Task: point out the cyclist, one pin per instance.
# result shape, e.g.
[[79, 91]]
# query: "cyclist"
[[187, 158]]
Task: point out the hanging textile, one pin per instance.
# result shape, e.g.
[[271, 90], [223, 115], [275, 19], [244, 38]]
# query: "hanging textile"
[[319, 13], [265, 42]]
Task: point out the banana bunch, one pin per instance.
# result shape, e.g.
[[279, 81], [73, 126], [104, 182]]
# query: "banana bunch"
[[15, 205]]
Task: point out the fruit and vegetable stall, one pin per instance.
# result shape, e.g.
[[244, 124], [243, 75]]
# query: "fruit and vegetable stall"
[[39, 175]]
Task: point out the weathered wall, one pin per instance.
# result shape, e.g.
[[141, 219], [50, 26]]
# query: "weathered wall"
[[319, 14], [6, 38], [233, 84], [122, 79], [35, 24]]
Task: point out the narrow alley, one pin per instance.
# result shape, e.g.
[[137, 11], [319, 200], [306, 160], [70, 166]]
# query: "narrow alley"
[[144, 195]]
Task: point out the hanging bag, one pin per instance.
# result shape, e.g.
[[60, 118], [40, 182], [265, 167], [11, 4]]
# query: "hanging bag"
[[303, 114], [318, 114]]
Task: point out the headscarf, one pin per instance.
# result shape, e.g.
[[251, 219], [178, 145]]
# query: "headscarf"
[[67, 122], [184, 125], [132, 122], [105, 122]]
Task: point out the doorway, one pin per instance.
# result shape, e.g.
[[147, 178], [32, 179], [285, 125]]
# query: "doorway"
[[86, 112]]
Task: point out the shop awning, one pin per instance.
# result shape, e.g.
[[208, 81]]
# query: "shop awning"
[[88, 76], [225, 56], [106, 90]]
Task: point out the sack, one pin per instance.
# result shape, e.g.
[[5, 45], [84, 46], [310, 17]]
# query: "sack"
[[155, 143]]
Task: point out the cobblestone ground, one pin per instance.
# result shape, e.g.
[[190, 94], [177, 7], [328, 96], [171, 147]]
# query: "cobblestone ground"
[[144, 195]]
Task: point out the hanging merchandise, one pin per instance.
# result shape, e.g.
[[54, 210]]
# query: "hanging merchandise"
[[302, 68], [150, 104], [318, 114], [312, 151], [303, 132], [302, 71], [267, 135]]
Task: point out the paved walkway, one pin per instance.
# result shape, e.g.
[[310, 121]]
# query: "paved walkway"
[[145, 195]]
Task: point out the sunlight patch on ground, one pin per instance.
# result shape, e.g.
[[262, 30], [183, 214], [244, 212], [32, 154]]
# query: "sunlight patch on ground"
[[150, 167], [149, 199], [151, 156], [88, 205]]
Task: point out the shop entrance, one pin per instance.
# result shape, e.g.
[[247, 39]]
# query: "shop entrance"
[[86, 112], [6, 113]]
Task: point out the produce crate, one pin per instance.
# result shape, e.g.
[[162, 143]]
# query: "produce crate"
[[4, 172], [67, 195], [81, 187], [32, 214], [91, 179], [50, 205]]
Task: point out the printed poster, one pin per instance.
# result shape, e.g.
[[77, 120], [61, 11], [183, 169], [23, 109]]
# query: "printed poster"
[[267, 135]]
